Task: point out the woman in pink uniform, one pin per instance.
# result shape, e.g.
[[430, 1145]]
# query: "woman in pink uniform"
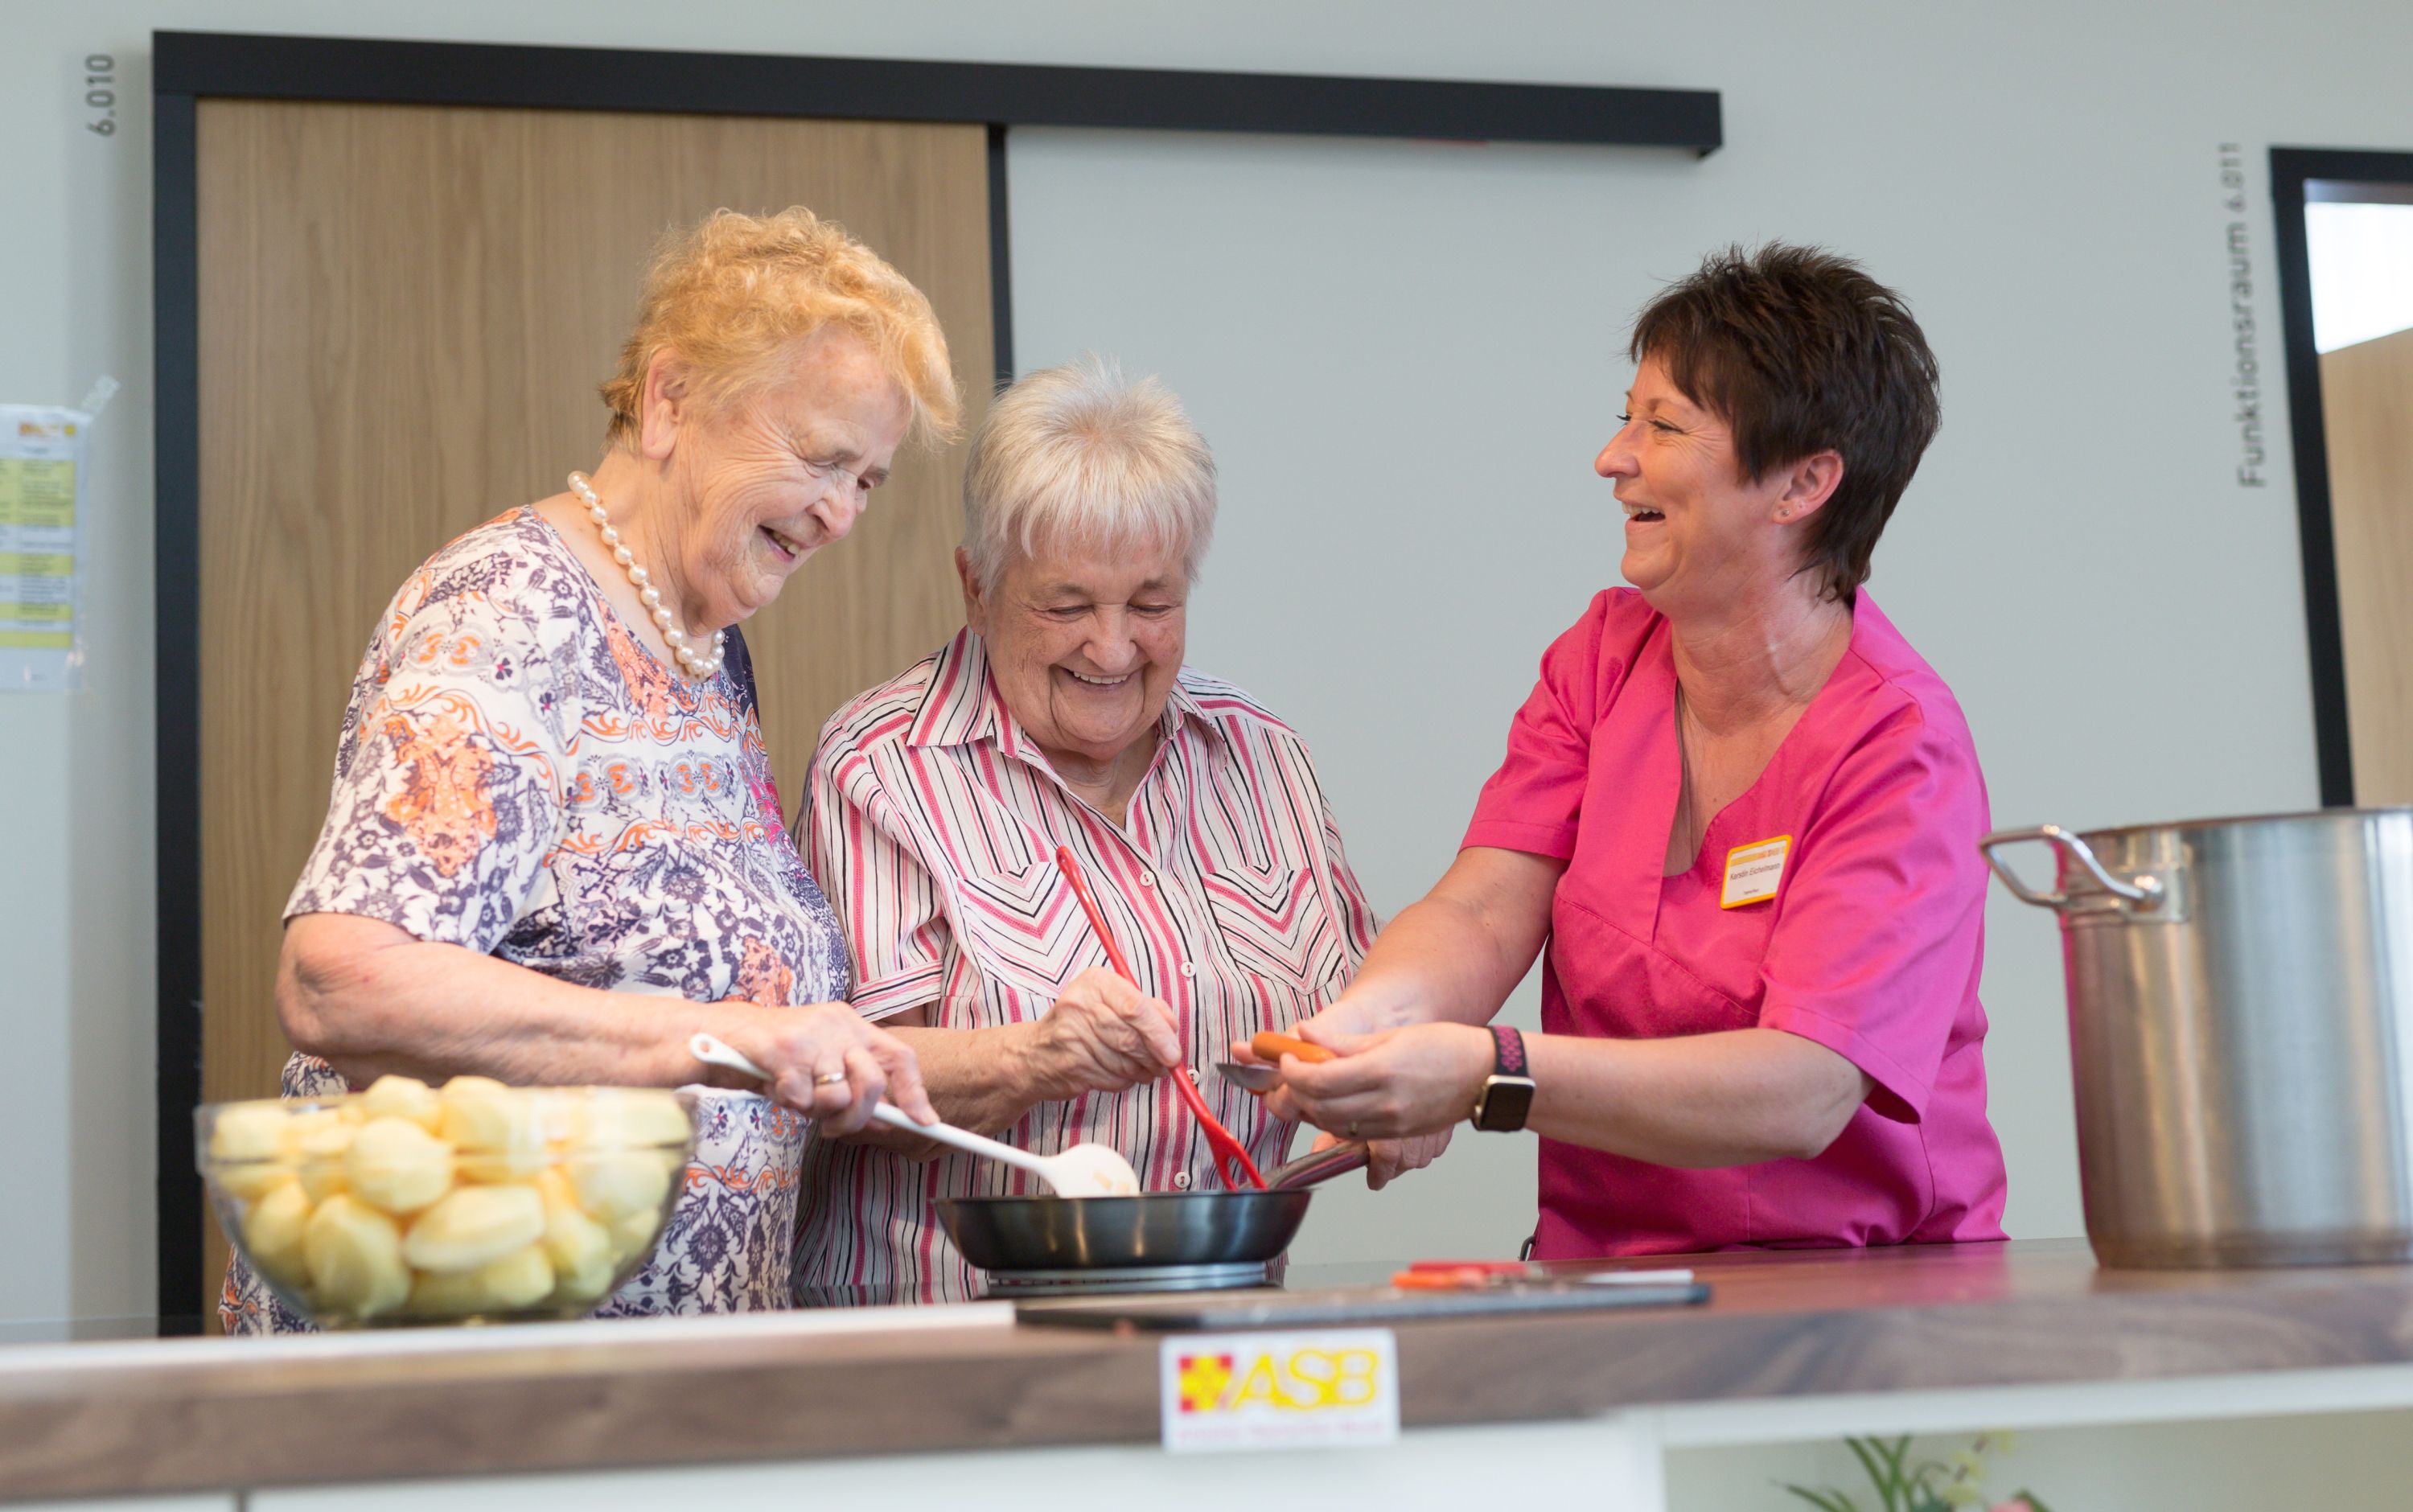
[[1740, 812]]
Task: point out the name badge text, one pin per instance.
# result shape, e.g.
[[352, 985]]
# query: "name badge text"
[[1753, 870]]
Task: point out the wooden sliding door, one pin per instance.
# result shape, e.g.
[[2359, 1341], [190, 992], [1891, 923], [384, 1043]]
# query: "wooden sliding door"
[[2367, 412], [403, 315]]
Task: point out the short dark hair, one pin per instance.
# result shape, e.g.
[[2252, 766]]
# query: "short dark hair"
[[1799, 351]]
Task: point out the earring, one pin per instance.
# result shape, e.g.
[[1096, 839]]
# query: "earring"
[[1784, 514]]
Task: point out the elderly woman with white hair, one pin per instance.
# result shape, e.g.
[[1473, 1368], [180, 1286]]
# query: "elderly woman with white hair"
[[1063, 716]]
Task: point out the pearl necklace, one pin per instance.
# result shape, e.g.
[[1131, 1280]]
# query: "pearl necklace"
[[694, 665]]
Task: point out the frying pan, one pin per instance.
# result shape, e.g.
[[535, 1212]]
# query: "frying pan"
[[1153, 1229]]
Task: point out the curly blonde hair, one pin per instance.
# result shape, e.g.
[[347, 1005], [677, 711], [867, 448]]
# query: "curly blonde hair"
[[729, 294]]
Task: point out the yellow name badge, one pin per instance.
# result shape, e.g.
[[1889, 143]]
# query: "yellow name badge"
[[1323, 1388], [1753, 870]]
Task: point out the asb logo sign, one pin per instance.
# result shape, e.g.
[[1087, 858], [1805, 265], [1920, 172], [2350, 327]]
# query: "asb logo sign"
[[1280, 1390]]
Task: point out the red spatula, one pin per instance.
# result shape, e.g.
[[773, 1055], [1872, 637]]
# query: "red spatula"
[[1229, 1153]]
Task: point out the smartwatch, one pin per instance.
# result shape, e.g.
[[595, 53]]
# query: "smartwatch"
[[1507, 1093]]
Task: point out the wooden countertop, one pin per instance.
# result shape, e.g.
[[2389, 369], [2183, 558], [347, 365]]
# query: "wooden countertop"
[[189, 1414]]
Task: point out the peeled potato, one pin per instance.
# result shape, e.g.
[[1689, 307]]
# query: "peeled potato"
[[586, 1283], [472, 1225], [319, 1155], [634, 1235], [354, 1255], [508, 1283], [401, 1097], [519, 1278], [617, 1118], [301, 1123], [397, 1166], [253, 1179], [566, 1120], [499, 1134], [585, 1254], [248, 1140], [249, 1131], [638, 1118], [612, 1184], [572, 1241], [272, 1234]]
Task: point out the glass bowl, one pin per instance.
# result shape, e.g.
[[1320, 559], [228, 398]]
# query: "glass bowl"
[[473, 1202]]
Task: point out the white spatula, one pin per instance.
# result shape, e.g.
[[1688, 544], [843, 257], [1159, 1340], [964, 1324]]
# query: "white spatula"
[[1083, 1171]]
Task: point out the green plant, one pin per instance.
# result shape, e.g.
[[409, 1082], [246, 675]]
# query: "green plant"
[[1904, 1485]]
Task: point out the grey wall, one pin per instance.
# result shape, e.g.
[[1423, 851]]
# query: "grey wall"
[[1405, 355]]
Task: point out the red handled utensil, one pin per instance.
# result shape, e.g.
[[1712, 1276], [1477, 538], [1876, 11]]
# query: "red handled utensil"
[[1228, 1150], [1465, 1275], [1269, 1047]]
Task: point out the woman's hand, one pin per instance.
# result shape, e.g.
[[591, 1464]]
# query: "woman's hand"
[[829, 1063], [1395, 1085], [1359, 1011], [1353, 1016], [1388, 1160], [1102, 1035]]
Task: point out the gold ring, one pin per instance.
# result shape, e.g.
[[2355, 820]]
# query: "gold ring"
[[1352, 1128], [829, 1078]]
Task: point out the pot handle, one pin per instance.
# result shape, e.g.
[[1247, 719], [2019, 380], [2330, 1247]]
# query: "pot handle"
[[1317, 1166], [2143, 892]]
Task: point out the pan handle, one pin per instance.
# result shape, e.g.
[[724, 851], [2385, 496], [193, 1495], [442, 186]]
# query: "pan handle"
[[1317, 1166], [2141, 893]]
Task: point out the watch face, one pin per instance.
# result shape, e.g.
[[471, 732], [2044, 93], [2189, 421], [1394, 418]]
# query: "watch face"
[[1506, 1100]]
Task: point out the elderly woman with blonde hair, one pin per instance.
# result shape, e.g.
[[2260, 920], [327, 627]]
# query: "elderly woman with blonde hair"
[[1062, 715], [554, 852]]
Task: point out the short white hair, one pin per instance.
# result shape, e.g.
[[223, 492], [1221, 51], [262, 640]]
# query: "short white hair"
[[1078, 457]]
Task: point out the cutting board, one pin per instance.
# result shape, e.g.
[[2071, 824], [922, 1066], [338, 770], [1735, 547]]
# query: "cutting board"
[[1195, 1312]]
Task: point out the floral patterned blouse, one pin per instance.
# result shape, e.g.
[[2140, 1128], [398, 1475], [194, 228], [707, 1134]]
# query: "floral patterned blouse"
[[518, 776]]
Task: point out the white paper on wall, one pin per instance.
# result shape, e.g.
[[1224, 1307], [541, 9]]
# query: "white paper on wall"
[[41, 488]]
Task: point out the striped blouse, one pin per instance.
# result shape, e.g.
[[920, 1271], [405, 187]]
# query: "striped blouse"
[[931, 821]]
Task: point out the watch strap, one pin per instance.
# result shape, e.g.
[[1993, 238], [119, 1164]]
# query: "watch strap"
[[1508, 1052], [1507, 1095]]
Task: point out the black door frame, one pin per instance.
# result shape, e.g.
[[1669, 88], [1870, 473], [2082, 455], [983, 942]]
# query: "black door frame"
[[2292, 169], [190, 67]]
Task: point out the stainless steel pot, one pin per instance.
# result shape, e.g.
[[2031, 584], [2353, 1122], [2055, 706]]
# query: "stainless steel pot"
[[2241, 1029]]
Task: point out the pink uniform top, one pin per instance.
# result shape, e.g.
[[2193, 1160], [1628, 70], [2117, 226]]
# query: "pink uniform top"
[[1870, 946]]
